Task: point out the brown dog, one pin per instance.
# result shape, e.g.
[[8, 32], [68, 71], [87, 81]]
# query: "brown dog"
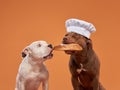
[[84, 65]]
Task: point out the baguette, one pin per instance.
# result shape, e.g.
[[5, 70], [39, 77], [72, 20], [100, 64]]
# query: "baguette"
[[64, 47]]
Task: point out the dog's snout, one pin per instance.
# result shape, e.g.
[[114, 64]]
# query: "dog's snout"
[[65, 39], [50, 45]]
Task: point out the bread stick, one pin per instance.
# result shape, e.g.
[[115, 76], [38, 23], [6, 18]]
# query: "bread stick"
[[63, 47]]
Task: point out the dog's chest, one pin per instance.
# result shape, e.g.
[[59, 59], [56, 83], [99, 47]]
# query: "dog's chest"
[[29, 71]]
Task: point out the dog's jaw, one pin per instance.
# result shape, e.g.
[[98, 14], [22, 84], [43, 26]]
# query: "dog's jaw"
[[49, 56], [71, 52]]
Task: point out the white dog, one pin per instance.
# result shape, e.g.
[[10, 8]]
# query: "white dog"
[[32, 70]]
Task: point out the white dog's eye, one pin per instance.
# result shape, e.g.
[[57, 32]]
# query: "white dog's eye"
[[39, 45]]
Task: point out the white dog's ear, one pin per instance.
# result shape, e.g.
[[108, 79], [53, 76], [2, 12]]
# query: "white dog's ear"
[[25, 52]]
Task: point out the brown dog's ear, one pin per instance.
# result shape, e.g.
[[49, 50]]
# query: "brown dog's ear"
[[25, 51], [89, 44]]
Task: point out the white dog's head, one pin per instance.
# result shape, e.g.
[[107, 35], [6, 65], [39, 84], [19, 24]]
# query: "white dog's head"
[[38, 50]]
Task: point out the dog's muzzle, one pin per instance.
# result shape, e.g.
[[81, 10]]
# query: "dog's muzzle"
[[49, 56], [50, 46]]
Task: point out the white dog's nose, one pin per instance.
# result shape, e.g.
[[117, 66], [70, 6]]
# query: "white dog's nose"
[[50, 45]]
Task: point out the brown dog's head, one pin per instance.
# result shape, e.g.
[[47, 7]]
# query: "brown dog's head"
[[72, 37]]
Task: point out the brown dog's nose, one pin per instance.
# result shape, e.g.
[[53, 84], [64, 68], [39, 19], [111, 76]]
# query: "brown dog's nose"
[[50, 45], [65, 39]]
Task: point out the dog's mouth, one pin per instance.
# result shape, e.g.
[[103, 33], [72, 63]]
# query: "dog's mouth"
[[67, 42], [69, 51], [49, 56]]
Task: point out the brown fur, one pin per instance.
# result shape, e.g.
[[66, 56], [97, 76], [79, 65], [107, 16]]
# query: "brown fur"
[[88, 77]]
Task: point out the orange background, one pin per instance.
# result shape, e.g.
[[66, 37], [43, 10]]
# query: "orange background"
[[22, 22]]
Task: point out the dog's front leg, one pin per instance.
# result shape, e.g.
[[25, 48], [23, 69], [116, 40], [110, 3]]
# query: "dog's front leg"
[[95, 84], [45, 85], [20, 85], [75, 82]]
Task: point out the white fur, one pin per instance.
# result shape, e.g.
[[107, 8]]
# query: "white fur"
[[32, 70]]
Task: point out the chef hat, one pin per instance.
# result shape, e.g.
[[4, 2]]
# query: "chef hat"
[[79, 26]]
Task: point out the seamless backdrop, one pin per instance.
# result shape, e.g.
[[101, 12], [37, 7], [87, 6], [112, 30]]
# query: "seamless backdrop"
[[25, 21]]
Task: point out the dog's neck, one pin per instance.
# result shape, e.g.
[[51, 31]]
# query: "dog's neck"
[[82, 56], [35, 66], [34, 61]]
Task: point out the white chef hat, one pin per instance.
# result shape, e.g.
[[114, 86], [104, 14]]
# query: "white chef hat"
[[79, 26]]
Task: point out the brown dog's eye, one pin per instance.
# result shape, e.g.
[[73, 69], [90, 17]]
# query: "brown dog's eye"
[[39, 45], [66, 34], [73, 36]]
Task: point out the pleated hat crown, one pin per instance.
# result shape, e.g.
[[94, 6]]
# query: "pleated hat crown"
[[79, 26]]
